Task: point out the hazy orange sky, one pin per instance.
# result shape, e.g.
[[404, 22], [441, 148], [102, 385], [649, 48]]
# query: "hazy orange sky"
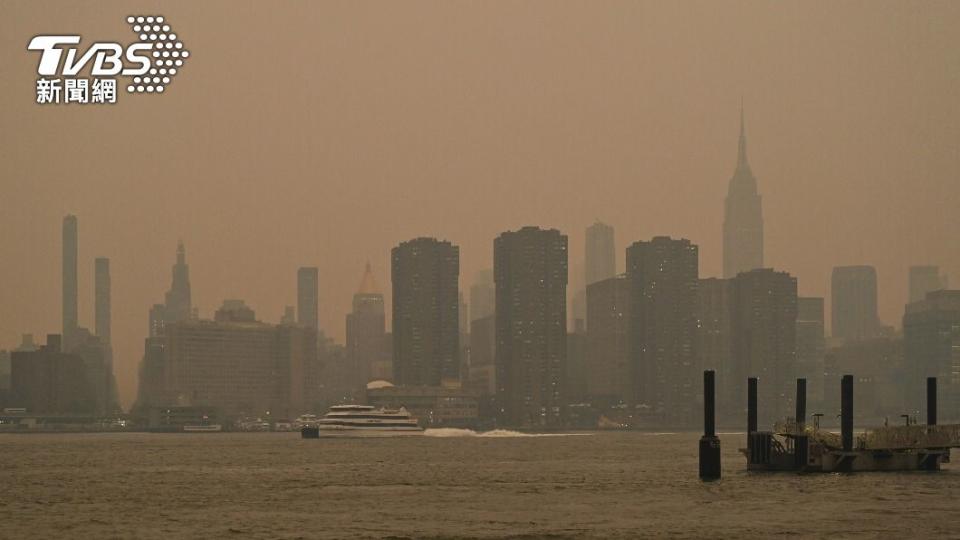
[[324, 133]]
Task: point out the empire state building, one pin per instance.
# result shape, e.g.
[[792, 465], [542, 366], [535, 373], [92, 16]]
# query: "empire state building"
[[743, 218]]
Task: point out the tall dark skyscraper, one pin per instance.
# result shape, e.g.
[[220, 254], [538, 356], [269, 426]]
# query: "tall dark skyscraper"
[[70, 309], [743, 217], [764, 340], [853, 303], [366, 330], [308, 297], [426, 323], [530, 273], [664, 303], [101, 296], [179, 303], [600, 249]]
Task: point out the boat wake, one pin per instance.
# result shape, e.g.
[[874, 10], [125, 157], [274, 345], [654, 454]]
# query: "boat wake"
[[496, 433]]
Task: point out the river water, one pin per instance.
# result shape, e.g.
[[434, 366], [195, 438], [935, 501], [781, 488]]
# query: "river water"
[[449, 485]]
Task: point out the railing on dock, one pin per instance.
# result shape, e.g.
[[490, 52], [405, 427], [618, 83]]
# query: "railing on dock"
[[883, 438]]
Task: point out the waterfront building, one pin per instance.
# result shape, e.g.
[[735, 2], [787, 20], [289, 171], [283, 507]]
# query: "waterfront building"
[[235, 364], [530, 273], [426, 323], [663, 275]]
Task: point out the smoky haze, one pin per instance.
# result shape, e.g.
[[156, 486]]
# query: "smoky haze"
[[324, 133]]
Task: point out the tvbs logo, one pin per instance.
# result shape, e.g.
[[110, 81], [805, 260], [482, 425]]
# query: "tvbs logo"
[[149, 63]]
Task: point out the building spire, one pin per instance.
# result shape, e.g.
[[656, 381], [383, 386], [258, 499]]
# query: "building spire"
[[367, 284], [742, 150], [181, 252]]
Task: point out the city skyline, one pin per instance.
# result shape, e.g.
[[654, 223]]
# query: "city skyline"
[[624, 131], [511, 269]]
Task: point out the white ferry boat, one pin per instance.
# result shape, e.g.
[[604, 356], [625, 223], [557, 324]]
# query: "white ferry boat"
[[365, 420]]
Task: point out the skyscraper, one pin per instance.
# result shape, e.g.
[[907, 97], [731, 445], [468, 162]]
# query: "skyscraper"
[[924, 279], [308, 297], [366, 331], [179, 303], [663, 275], [931, 342], [743, 217], [853, 303], [600, 249], [764, 340], [426, 335], [715, 316], [482, 295], [811, 346], [608, 376], [530, 273], [70, 321], [102, 299]]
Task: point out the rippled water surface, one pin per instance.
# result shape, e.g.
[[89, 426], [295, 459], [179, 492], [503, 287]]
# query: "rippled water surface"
[[603, 485]]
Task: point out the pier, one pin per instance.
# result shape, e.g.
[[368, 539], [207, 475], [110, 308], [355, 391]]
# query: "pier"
[[795, 446]]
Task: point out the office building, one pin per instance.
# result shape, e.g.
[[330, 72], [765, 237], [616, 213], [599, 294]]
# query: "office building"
[[308, 297]]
